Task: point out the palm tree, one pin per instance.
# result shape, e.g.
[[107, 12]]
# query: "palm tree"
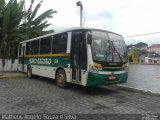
[[2, 4], [34, 26], [18, 24], [11, 16]]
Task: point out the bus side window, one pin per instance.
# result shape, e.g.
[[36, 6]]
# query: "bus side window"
[[34, 47], [59, 44], [20, 47], [27, 48], [45, 45]]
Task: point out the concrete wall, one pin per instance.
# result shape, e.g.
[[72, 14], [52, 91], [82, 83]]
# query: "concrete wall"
[[9, 66], [152, 60]]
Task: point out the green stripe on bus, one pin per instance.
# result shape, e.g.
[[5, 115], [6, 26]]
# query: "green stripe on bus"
[[47, 61]]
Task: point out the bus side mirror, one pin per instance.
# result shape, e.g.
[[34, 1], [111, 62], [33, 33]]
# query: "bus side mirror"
[[89, 38]]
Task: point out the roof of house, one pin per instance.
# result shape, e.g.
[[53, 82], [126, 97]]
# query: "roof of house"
[[155, 46]]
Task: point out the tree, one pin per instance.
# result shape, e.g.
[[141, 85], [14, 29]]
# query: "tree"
[[34, 26], [2, 3], [141, 45], [130, 46], [18, 24], [11, 16]]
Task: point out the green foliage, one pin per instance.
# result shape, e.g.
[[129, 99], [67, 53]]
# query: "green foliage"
[[2, 3], [141, 44], [18, 24], [11, 15], [138, 45], [34, 26], [138, 49]]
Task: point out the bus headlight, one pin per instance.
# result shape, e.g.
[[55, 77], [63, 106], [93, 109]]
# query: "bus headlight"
[[93, 69]]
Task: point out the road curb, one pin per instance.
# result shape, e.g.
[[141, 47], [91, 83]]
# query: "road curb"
[[10, 77], [129, 89], [136, 90]]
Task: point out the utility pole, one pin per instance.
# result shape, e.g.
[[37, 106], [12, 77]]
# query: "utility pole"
[[79, 3]]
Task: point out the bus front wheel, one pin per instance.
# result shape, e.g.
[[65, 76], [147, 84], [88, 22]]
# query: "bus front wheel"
[[29, 72], [61, 78]]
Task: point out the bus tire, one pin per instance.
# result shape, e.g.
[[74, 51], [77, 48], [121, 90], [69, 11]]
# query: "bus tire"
[[29, 72], [61, 78]]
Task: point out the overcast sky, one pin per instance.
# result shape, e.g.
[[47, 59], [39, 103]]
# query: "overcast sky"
[[126, 17]]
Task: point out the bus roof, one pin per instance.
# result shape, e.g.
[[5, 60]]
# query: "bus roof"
[[66, 30]]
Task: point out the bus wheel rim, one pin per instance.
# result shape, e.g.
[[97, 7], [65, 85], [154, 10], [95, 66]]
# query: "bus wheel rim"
[[60, 79], [29, 72]]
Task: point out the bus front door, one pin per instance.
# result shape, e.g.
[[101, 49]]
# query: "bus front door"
[[23, 54], [78, 57]]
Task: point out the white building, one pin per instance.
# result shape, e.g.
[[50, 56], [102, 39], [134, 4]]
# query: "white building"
[[152, 59], [154, 48]]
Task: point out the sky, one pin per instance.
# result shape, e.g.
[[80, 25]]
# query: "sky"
[[126, 17]]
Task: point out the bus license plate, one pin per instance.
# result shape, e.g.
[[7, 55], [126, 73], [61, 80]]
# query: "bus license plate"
[[112, 77]]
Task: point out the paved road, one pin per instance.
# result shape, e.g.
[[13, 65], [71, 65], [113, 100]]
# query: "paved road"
[[41, 95], [144, 77]]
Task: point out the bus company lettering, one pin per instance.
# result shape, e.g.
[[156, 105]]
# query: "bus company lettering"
[[46, 61]]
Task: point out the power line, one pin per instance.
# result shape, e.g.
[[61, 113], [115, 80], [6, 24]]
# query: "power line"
[[142, 34]]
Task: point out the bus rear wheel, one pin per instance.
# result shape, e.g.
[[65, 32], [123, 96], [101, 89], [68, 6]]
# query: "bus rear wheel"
[[29, 72], [61, 78]]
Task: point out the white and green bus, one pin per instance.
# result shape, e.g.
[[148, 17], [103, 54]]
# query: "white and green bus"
[[85, 56]]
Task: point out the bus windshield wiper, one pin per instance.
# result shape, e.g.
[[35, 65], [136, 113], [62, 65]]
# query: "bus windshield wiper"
[[109, 48], [116, 51]]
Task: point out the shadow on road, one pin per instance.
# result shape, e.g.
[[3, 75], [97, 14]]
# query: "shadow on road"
[[95, 90]]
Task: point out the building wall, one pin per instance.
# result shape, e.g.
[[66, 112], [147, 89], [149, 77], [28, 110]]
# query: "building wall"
[[157, 50], [152, 60], [9, 66]]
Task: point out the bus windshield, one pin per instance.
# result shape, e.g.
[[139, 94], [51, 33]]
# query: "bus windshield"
[[108, 47]]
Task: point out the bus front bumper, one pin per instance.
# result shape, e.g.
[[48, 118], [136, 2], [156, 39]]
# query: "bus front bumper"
[[98, 79]]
